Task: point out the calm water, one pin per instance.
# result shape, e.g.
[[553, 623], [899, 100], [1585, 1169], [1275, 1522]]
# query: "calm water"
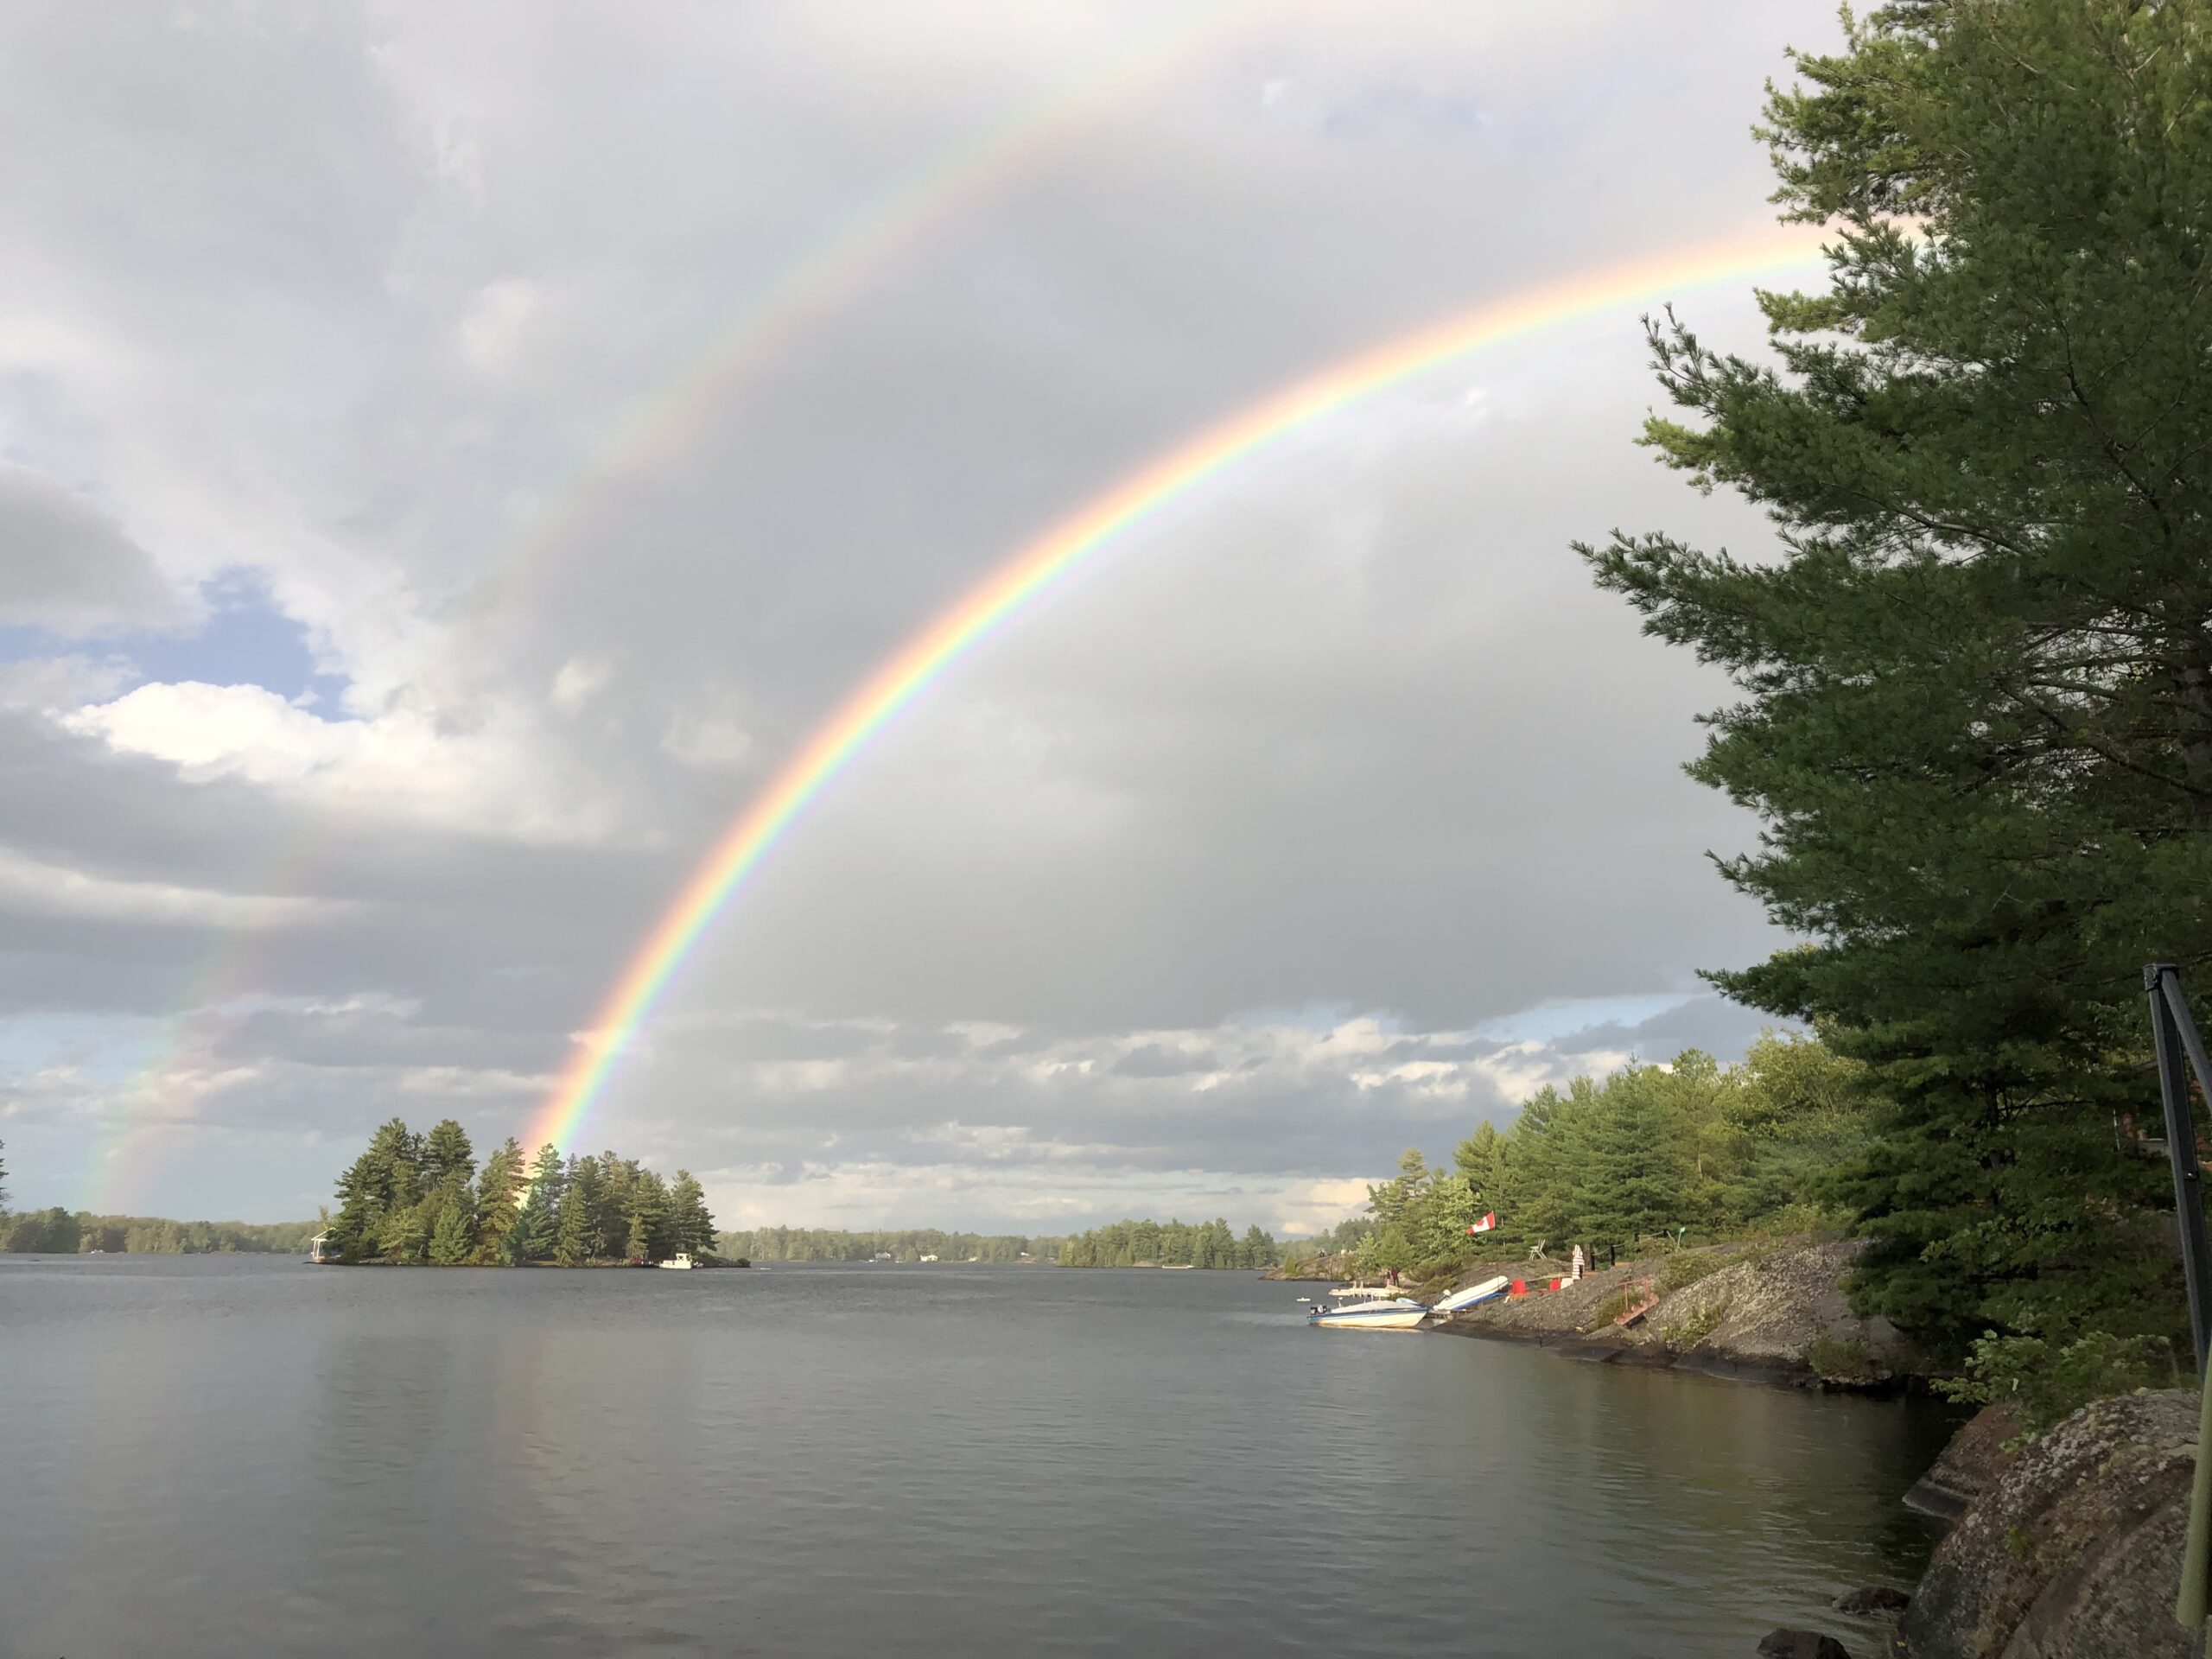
[[250, 1456]]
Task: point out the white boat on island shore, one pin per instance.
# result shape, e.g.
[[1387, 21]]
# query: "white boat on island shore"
[[1394, 1314]]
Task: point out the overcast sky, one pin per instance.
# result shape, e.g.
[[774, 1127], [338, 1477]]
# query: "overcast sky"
[[391, 614]]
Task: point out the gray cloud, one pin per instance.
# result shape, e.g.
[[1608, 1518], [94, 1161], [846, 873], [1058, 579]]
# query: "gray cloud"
[[69, 568], [1343, 736]]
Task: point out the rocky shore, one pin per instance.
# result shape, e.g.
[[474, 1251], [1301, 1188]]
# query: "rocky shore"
[[1770, 1312]]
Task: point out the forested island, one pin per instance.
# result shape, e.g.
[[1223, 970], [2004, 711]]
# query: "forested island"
[[1169, 1245], [420, 1200]]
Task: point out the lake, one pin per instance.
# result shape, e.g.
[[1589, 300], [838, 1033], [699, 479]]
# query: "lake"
[[246, 1455]]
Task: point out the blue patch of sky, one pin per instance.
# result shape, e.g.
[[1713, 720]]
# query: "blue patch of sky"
[[104, 1050], [1318, 1016], [244, 640], [1549, 1021]]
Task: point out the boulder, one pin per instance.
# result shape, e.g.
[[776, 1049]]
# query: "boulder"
[[1801, 1645], [1976, 1458], [2074, 1552]]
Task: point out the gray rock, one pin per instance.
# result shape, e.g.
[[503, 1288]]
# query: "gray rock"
[[1801, 1645], [1970, 1464], [1873, 1601], [2075, 1551]]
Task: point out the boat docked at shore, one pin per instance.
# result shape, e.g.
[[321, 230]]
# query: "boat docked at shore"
[[1390, 1314]]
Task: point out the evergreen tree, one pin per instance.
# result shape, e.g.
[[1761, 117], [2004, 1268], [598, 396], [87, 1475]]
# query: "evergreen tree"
[[534, 1229], [572, 1227], [447, 1155], [499, 1206], [690, 1227], [611, 1203], [648, 1217], [452, 1240], [1977, 669]]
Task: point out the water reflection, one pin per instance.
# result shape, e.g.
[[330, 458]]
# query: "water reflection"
[[933, 1462]]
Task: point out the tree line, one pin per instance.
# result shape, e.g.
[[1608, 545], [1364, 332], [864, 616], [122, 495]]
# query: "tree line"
[[1169, 1245], [415, 1199], [1684, 1151], [57, 1232], [912, 1244], [1973, 661]]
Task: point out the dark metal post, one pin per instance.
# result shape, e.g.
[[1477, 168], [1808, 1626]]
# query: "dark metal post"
[[2169, 1019], [2181, 1048]]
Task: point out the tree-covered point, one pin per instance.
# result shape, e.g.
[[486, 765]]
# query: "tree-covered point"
[[420, 1198], [910, 1244], [1693, 1148], [1169, 1245]]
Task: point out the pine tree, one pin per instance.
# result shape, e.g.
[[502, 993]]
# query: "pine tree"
[[447, 1155], [534, 1232], [1976, 668], [572, 1228], [648, 1218], [452, 1240], [690, 1227], [498, 1204]]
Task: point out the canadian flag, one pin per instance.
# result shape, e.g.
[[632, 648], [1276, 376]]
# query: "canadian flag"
[[1489, 1220]]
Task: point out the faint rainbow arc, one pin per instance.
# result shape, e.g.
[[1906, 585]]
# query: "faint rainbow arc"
[[658, 423], [1049, 557]]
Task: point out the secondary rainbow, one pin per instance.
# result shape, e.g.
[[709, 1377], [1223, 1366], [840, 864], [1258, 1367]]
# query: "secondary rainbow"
[[1036, 566], [660, 424]]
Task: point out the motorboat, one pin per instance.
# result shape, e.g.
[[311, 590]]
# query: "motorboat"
[[1391, 1314], [682, 1259], [1460, 1301]]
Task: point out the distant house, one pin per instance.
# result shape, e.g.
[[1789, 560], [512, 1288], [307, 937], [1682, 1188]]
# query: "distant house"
[[929, 1258]]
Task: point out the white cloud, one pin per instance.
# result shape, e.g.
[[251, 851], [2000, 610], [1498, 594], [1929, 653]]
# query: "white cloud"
[[398, 764]]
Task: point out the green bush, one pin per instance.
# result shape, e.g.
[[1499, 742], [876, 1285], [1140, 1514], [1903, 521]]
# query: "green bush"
[[1841, 1360], [2047, 1382], [1688, 1333], [1611, 1308]]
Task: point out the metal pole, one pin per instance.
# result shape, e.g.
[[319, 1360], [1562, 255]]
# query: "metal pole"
[[2175, 1035], [2168, 1012]]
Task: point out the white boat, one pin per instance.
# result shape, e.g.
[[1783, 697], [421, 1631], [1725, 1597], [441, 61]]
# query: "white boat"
[[1474, 1293], [1397, 1313], [681, 1260]]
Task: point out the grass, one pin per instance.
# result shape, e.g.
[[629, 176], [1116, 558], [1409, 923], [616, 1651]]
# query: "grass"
[[1835, 1361], [1611, 1308], [1689, 1332]]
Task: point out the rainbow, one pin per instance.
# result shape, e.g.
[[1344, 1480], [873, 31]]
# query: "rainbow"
[[657, 426], [1032, 570]]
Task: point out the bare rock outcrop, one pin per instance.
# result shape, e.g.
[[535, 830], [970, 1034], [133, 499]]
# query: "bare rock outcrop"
[[1972, 1463], [1772, 1312], [2074, 1552]]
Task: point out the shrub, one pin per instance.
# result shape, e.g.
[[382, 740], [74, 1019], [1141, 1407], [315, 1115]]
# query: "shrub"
[[1686, 1270], [1841, 1360], [1688, 1333], [1611, 1308], [2049, 1381]]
